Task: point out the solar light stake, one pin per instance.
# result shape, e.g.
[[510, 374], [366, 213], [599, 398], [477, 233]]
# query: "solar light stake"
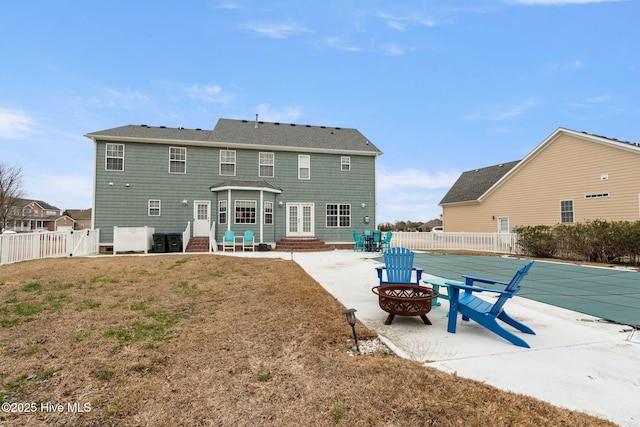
[[351, 320]]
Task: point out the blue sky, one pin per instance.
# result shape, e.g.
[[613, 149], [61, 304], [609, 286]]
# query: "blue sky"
[[440, 86]]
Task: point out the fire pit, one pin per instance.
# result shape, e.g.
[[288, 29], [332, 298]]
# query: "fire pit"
[[405, 300]]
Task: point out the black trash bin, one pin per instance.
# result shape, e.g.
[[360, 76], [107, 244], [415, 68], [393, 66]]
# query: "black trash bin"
[[174, 242], [159, 242]]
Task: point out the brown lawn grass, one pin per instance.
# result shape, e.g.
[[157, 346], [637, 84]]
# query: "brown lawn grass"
[[179, 340]]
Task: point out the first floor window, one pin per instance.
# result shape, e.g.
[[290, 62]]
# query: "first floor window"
[[268, 213], [222, 212], [114, 157], [245, 211], [177, 160], [566, 211], [338, 215], [154, 207]]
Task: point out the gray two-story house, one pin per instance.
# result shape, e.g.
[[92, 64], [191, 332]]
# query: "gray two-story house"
[[278, 180]]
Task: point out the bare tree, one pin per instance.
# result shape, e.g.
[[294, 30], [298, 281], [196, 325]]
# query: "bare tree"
[[10, 190]]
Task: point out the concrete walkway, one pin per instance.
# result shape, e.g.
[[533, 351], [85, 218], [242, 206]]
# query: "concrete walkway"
[[575, 361]]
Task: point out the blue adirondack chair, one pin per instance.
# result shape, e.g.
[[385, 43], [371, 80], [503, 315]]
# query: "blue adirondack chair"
[[398, 264], [358, 244], [229, 241], [377, 239], [484, 312], [386, 242], [248, 241]]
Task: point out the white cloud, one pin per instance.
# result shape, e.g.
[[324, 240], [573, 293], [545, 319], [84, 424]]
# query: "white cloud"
[[403, 22], [285, 115], [592, 101], [209, 93], [111, 98], [14, 124], [414, 178], [393, 49], [340, 43], [495, 114], [276, 30], [62, 191]]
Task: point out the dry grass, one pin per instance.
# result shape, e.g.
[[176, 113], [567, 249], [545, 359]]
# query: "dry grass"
[[208, 340]]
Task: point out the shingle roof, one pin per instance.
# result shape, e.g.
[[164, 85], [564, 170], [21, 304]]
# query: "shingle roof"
[[246, 133], [474, 183]]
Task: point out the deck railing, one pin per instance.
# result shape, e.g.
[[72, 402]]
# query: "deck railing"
[[50, 244], [483, 242]]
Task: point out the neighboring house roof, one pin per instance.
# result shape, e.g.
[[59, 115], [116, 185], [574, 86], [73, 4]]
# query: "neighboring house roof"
[[240, 184], [249, 134], [21, 203], [477, 184], [473, 184], [79, 214]]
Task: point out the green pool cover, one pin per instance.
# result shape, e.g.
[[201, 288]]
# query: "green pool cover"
[[606, 293]]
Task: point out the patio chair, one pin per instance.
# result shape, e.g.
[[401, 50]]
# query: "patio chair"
[[248, 241], [229, 241], [398, 265], [386, 242], [485, 312], [377, 239], [358, 242]]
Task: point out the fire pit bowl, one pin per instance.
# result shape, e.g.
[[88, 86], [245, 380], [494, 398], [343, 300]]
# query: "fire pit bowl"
[[405, 300]]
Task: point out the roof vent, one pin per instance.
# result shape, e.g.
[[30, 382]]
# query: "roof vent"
[[144, 126], [308, 126], [163, 127], [198, 128], [277, 124], [293, 124], [337, 128], [323, 127], [256, 125]]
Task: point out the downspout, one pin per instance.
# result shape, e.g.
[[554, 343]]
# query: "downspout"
[[261, 216], [229, 209]]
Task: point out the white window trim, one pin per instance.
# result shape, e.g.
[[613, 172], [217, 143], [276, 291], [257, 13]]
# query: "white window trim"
[[222, 207], [107, 157], [227, 163], [151, 209], [272, 164], [573, 212], [249, 203], [304, 162], [345, 161], [268, 210], [172, 160], [338, 215]]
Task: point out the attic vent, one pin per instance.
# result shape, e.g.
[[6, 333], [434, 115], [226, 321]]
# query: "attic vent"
[[596, 196]]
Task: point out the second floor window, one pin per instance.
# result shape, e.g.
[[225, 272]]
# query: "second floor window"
[[177, 160], [566, 211], [345, 163], [304, 166], [114, 157], [228, 162], [266, 165]]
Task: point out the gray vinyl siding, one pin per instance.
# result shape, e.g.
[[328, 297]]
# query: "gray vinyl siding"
[[146, 169]]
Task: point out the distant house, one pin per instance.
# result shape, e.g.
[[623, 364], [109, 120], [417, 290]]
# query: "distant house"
[[82, 218], [278, 180], [36, 215], [570, 177]]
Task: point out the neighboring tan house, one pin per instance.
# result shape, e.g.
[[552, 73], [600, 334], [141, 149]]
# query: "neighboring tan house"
[[570, 177], [36, 215], [278, 180], [82, 218]]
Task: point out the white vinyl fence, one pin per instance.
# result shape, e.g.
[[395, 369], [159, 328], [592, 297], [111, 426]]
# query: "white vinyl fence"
[[50, 244], [484, 242]]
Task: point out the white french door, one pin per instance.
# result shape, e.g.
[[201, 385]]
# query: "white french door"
[[202, 217], [300, 220]]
